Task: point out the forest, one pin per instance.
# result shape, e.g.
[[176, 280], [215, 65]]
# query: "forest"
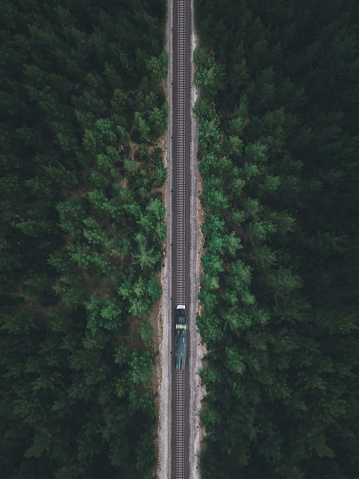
[[82, 232], [278, 156]]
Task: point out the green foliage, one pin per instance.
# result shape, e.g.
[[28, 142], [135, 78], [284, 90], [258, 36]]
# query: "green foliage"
[[104, 313], [72, 212], [157, 67], [146, 331], [277, 135], [158, 119], [209, 75], [77, 398], [142, 127]]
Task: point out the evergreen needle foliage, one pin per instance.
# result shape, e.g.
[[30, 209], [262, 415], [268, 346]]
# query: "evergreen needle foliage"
[[82, 231], [278, 139]]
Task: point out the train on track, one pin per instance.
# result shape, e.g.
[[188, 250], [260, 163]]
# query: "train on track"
[[181, 338]]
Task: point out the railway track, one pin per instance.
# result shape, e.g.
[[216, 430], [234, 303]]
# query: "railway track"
[[181, 179], [180, 421], [181, 152], [179, 391]]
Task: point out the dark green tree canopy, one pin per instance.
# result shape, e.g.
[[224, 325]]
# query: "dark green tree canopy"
[[278, 136], [77, 288]]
